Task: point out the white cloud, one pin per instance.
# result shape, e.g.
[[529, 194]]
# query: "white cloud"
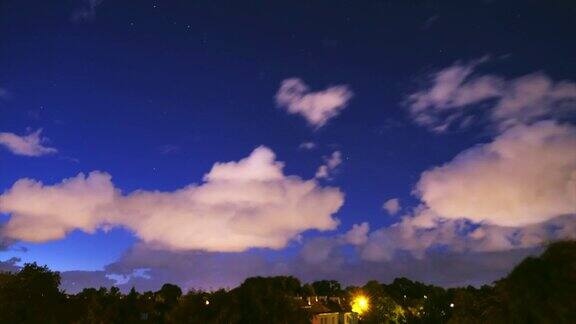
[[392, 206], [331, 163], [41, 213], [525, 176], [419, 233], [244, 204], [28, 145], [456, 90], [518, 191], [532, 97], [322, 172], [316, 107], [424, 230], [358, 234], [414, 233]]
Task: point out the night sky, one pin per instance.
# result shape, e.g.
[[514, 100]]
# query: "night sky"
[[203, 142]]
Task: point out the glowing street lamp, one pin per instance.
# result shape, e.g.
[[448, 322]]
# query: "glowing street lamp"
[[360, 304]]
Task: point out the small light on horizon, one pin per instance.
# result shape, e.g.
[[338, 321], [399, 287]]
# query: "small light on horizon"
[[360, 304]]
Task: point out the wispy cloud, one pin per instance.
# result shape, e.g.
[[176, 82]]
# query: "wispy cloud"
[[169, 149], [27, 145], [316, 107], [457, 92], [86, 11], [430, 21], [307, 146], [3, 93], [326, 170]]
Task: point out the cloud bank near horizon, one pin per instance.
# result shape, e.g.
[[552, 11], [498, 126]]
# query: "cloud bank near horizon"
[[514, 193]]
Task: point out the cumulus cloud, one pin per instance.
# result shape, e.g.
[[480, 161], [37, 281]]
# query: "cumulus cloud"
[[358, 234], [455, 91], [5, 242], [524, 176], [476, 255], [41, 213], [240, 205], [421, 234], [516, 192], [392, 206], [316, 107], [324, 257], [326, 170], [27, 145], [427, 243], [319, 258]]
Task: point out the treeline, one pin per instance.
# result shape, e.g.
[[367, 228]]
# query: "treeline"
[[539, 290]]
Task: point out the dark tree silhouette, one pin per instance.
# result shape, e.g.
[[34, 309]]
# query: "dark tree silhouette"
[[539, 290], [327, 288], [30, 296]]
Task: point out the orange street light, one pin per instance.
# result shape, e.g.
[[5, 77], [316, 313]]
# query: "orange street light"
[[360, 304]]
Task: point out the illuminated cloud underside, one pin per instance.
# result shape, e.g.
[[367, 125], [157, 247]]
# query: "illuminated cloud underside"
[[244, 204], [525, 176], [518, 191]]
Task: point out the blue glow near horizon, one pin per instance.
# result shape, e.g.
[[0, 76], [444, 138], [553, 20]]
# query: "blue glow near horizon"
[[78, 251]]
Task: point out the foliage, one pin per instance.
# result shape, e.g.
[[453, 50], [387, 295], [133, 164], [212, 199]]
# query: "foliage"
[[327, 288], [30, 296], [539, 290]]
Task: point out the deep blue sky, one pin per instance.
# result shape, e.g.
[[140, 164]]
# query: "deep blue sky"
[[155, 92]]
